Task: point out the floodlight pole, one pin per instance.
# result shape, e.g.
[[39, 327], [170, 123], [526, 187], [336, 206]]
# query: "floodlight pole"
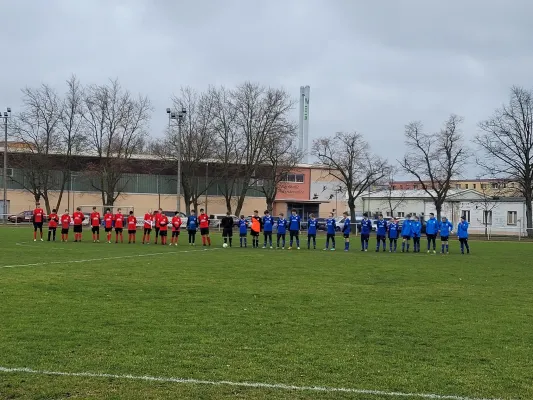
[[180, 116], [6, 116]]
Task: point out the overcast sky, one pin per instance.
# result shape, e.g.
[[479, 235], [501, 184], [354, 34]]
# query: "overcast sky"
[[372, 66]]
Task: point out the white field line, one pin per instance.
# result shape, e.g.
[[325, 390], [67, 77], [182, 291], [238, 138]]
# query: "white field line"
[[102, 259], [256, 385]]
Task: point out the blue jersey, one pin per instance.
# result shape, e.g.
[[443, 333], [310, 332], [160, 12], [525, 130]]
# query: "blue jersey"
[[394, 228], [416, 228], [268, 223], [346, 228], [331, 226], [243, 226], [311, 226], [294, 223], [432, 226], [406, 228], [381, 227], [192, 223], [366, 227], [282, 226], [462, 230], [445, 228]]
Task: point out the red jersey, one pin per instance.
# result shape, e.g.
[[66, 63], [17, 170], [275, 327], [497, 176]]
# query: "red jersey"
[[108, 220], [95, 219], [176, 224], [78, 217], [119, 221], [38, 215], [132, 223], [148, 221], [157, 219], [53, 219], [65, 221], [163, 222], [204, 221]]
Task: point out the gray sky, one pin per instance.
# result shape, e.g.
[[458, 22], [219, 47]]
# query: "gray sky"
[[372, 66]]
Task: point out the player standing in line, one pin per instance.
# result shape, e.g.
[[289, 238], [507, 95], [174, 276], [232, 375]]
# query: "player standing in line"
[[295, 224], [118, 221], [227, 229], [346, 229], [255, 229], [243, 231], [38, 219], [108, 224], [416, 228], [192, 226], [281, 231], [432, 228], [78, 219], [176, 226], [157, 217], [132, 228], [445, 229], [148, 223], [163, 228], [311, 231], [462, 233], [95, 225], [268, 226], [394, 230], [366, 228], [331, 228], [65, 225], [203, 219], [406, 233], [53, 219], [381, 233]]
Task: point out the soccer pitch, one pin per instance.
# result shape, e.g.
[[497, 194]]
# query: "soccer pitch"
[[106, 321]]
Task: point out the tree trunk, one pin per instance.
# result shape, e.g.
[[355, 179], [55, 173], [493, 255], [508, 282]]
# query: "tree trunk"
[[351, 205], [438, 208], [529, 216], [240, 202], [270, 204]]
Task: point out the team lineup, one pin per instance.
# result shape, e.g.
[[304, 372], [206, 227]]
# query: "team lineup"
[[156, 221]]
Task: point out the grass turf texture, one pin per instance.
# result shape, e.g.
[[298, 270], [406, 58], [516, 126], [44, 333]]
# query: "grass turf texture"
[[416, 323]]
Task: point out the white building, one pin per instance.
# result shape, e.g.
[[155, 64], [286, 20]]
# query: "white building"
[[503, 216]]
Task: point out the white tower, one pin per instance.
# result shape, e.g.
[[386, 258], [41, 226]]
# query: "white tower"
[[303, 133]]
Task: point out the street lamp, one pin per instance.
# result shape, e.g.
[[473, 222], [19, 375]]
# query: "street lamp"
[[5, 116], [179, 116]]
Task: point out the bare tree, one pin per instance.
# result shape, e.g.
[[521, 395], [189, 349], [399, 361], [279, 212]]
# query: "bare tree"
[[507, 143], [488, 201], [394, 197], [348, 158], [435, 159], [117, 123]]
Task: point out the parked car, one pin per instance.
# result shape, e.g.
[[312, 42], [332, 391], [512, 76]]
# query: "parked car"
[[24, 216]]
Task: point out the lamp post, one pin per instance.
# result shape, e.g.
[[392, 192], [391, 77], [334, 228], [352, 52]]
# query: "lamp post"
[[6, 116], [179, 116]]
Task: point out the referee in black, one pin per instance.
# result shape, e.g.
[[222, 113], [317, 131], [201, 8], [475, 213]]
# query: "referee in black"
[[227, 228]]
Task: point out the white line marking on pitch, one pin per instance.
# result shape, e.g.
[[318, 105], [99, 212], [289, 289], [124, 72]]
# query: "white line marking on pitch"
[[102, 259], [256, 385]]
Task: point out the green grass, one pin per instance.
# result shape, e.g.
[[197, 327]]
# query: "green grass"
[[417, 323]]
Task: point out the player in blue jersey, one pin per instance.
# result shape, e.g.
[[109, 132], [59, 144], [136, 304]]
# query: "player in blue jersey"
[[243, 231], [331, 227], [432, 228], [268, 225], [445, 230], [294, 229], [346, 229], [381, 233], [407, 233], [192, 227], [366, 228], [394, 231], [416, 230], [462, 233], [282, 231], [311, 231]]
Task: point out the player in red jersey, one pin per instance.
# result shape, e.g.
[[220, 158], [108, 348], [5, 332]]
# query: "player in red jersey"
[[65, 225], [163, 228], [204, 227], [132, 227], [38, 219], [78, 218], [148, 223], [96, 220], [108, 224], [176, 226], [118, 219], [53, 219], [157, 218]]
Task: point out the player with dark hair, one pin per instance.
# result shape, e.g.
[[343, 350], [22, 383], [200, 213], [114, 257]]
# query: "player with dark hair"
[[203, 220], [255, 229], [312, 226], [346, 229], [416, 230], [78, 219], [381, 233], [192, 226], [108, 224], [118, 222], [132, 227], [65, 225], [243, 231], [394, 231], [96, 220], [157, 216], [38, 219], [148, 223], [366, 228], [432, 228], [268, 226], [53, 219], [281, 231], [331, 229], [407, 233], [445, 230], [227, 229], [163, 228], [462, 233], [295, 224], [176, 226]]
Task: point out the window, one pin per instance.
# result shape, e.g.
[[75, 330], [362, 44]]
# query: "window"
[[487, 217], [475, 186], [393, 187], [512, 217], [466, 214], [298, 178], [415, 187], [260, 183], [458, 186], [401, 214], [495, 185], [483, 186], [466, 185], [389, 214], [9, 172]]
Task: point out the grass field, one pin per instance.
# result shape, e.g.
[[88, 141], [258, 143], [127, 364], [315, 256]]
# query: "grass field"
[[443, 327]]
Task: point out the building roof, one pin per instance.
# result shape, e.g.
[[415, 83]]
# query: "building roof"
[[453, 194]]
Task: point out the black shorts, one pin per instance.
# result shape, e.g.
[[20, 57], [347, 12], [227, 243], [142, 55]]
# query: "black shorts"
[[77, 228], [52, 228], [312, 235], [431, 237], [243, 234], [192, 231], [346, 235], [281, 234], [204, 231], [132, 231], [365, 236], [444, 238], [294, 233], [108, 229], [267, 233], [147, 231], [175, 233], [162, 233], [96, 229], [405, 237], [254, 233], [118, 230], [227, 232], [38, 225], [380, 237], [64, 231], [391, 239]]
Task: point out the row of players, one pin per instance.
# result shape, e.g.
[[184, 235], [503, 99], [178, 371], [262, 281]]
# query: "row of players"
[[410, 229]]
